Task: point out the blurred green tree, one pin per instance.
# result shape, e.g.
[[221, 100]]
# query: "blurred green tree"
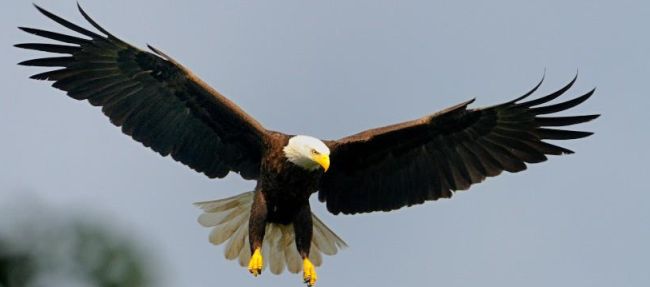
[[68, 251]]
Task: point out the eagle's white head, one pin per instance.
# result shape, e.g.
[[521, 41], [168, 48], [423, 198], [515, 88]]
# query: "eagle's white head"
[[307, 152]]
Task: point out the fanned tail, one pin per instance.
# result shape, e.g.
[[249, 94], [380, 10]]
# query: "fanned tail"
[[228, 218]]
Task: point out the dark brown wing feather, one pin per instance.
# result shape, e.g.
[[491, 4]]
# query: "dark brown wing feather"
[[409, 163], [154, 99]]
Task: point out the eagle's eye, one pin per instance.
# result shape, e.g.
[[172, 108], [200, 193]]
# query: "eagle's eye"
[[314, 152]]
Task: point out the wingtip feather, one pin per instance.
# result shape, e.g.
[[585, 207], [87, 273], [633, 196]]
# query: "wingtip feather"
[[551, 96], [37, 7], [563, 105], [93, 23], [531, 91], [43, 11]]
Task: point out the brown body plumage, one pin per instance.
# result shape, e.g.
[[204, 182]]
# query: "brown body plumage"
[[282, 196], [161, 104]]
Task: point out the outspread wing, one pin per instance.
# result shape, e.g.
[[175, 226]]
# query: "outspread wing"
[[401, 165], [153, 98]]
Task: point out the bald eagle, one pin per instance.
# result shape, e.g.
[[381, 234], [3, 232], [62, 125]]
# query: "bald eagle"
[[163, 105]]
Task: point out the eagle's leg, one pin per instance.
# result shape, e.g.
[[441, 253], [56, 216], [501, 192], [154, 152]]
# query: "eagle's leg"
[[256, 228], [303, 228]]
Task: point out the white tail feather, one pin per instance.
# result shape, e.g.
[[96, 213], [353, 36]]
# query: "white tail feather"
[[315, 256], [275, 255], [225, 230], [228, 218], [292, 257], [236, 242], [245, 254]]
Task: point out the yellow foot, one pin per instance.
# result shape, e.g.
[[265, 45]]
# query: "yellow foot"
[[309, 272], [255, 265]]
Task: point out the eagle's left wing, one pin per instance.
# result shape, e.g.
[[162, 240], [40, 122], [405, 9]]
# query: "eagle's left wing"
[[401, 165]]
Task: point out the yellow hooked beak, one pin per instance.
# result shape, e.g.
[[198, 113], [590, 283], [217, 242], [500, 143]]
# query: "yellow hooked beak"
[[323, 160]]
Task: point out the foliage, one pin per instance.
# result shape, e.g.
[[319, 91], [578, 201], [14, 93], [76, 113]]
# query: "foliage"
[[69, 252]]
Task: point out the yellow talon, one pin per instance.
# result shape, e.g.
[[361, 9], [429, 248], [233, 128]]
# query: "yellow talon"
[[309, 272], [256, 263]]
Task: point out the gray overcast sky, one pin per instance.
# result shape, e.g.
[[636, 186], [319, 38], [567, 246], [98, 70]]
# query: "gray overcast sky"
[[333, 68]]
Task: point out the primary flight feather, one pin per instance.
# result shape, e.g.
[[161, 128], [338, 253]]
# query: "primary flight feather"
[[163, 105]]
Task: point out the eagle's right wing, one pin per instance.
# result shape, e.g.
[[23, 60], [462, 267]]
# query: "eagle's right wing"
[[154, 99]]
